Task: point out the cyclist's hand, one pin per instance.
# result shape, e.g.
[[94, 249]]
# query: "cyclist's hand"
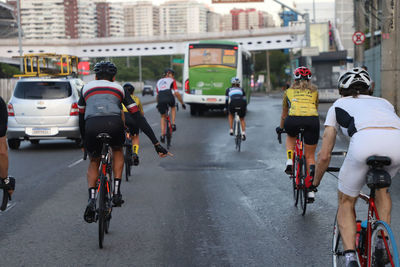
[[162, 152], [279, 130], [183, 106]]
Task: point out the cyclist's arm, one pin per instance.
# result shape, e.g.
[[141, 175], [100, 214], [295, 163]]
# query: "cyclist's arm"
[[81, 107], [324, 155], [174, 89], [226, 98], [285, 111], [3, 142]]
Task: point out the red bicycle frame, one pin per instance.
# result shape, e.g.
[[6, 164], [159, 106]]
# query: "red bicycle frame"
[[372, 216], [299, 150]]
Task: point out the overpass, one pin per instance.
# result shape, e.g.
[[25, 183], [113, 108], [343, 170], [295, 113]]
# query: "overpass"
[[252, 40]]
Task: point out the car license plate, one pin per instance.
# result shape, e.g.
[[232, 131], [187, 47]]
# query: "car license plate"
[[41, 131], [211, 99]]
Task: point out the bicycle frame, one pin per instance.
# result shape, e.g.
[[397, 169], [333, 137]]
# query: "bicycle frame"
[[298, 153], [372, 218]]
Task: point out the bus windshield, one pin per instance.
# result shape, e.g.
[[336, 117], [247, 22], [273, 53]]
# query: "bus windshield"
[[212, 56]]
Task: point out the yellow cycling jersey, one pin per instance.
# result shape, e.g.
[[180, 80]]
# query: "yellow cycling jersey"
[[301, 102], [138, 103]]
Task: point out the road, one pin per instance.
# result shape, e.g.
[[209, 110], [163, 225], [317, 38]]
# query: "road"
[[208, 205]]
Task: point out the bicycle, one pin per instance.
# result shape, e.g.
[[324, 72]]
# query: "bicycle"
[[237, 130], [168, 128], [370, 249], [104, 187], [128, 155], [6, 197], [299, 171]]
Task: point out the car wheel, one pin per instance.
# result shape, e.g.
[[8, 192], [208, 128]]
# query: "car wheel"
[[193, 110], [34, 142], [14, 143]]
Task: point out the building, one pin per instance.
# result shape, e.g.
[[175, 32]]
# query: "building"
[[8, 21], [248, 19], [344, 21], [182, 17], [110, 19], [213, 22], [141, 19], [226, 23]]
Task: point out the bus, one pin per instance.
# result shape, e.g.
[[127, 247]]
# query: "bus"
[[208, 69]]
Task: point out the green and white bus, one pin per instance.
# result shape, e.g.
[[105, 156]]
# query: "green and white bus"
[[208, 69]]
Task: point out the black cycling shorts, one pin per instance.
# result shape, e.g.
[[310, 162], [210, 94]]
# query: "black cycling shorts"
[[164, 101], [131, 123], [239, 106], [3, 117], [113, 125], [309, 123]]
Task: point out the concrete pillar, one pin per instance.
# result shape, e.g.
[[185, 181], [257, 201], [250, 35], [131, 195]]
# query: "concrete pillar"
[[390, 72]]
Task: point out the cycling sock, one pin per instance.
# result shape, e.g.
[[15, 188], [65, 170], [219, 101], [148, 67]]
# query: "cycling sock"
[[117, 185], [289, 154], [312, 170], [135, 148], [92, 192]]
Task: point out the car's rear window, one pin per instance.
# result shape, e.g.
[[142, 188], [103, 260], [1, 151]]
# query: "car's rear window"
[[43, 90]]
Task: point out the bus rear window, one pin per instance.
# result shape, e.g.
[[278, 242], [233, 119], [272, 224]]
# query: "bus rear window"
[[212, 56]]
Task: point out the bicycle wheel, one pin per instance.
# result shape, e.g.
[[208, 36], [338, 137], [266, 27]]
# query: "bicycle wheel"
[[102, 209], [5, 197], [297, 173], [128, 159], [168, 134], [302, 188], [383, 251], [338, 258]]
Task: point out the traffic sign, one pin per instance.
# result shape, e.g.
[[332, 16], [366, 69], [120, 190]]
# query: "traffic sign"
[[358, 38], [178, 60]]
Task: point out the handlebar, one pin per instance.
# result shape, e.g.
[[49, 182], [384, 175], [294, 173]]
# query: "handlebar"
[[280, 135], [333, 169], [339, 153]]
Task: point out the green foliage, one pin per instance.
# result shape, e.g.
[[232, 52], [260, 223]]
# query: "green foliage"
[[7, 71], [278, 61], [152, 67]]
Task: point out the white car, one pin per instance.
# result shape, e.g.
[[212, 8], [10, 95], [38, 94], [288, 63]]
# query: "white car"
[[44, 108]]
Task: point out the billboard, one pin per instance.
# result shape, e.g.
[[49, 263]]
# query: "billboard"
[[234, 1]]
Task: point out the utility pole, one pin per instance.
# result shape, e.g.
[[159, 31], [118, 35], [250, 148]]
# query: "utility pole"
[[140, 70], [21, 67], [360, 27], [390, 69], [268, 89]]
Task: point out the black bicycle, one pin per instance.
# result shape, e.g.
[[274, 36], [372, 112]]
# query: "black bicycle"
[[128, 156], [6, 197], [104, 190]]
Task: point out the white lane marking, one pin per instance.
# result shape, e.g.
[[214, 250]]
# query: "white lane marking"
[[75, 163]]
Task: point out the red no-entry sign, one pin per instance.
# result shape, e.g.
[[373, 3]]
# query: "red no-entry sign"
[[358, 38]]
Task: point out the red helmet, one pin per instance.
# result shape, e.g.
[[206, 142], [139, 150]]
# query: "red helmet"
[[302, 73]]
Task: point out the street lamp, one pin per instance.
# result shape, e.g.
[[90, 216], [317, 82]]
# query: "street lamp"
[[21, 67]]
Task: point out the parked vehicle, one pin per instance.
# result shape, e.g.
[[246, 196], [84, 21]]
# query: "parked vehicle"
[[148, 90], [44, 108]]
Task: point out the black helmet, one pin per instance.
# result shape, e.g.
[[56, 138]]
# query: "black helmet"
[[129, 87], [166, 71], [105, 68]]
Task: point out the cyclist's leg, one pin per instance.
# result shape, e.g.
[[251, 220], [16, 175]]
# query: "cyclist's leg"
[[231, 112], [311, 136], [291, 128], [383, 204], [346, 217]]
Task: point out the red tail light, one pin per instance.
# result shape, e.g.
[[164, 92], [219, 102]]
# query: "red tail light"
[[191, 46], [187, 87], [74, 110], [10, 110]]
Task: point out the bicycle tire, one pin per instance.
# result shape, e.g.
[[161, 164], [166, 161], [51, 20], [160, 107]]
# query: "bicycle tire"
[[168, 134], [128, 157], [5, 199], [102, 209], [338, 258], [377, 258], [303, 189], [297, 173]]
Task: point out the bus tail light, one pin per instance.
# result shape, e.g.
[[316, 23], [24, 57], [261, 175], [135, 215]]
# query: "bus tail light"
[[10, 110], [187, 87]]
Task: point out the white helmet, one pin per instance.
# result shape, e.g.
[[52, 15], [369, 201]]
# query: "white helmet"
[[353, 76], [235, 80]]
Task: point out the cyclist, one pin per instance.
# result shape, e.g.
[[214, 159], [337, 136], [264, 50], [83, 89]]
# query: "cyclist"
[[5, 180], [300, 110], [236, 102], [374, 129], [100, 112], [131, 123], [166, 91]]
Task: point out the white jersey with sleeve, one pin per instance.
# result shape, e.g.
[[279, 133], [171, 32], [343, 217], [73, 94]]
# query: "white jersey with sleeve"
[[353, 114]]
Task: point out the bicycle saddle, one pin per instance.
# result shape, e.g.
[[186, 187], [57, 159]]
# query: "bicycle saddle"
[[378, 161], [103, 137]]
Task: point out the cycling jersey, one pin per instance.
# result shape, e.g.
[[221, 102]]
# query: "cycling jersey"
[[137, 101], [3, 117], [301, 102], [104, 98], [236, 101], [352, 114], [235, 93], [166, 86]]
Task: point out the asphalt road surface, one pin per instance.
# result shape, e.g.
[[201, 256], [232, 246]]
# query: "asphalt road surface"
[[208, 205]]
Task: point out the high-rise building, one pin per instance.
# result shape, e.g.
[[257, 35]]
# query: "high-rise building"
[[110, 19], [60, 19], [226, 22], [213, 22], [247, 19], [344, 20], [182, 17], [141, 19]]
